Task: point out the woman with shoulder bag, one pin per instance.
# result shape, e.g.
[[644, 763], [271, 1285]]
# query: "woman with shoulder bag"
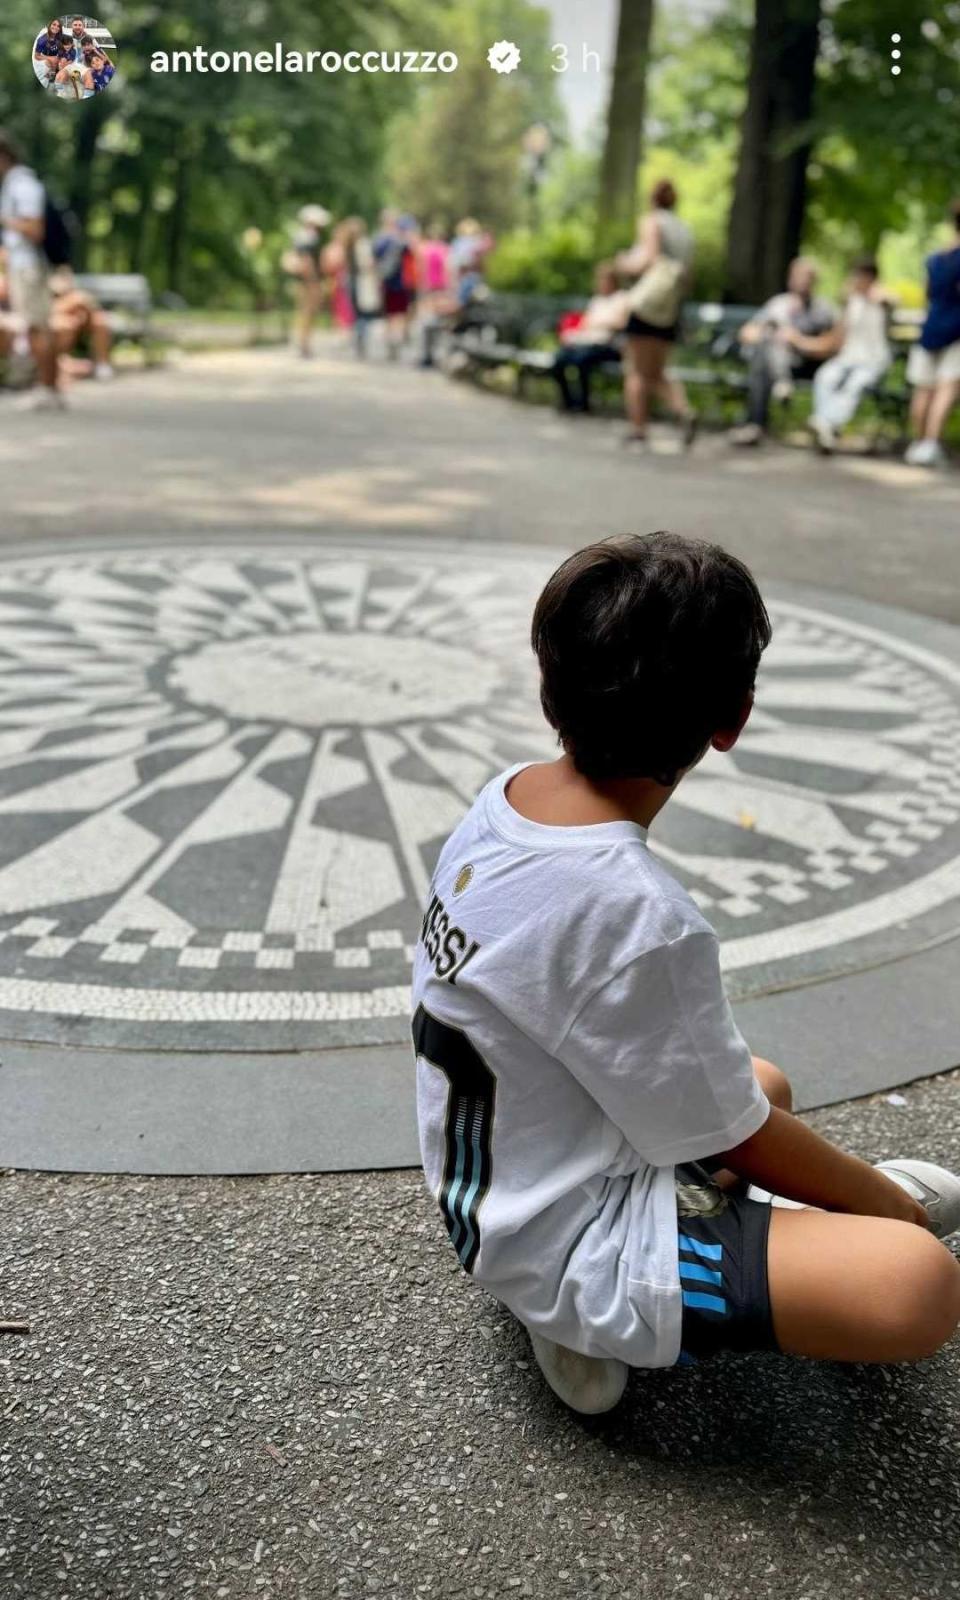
[[661, 261]]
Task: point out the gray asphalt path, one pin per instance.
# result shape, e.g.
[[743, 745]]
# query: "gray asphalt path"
[[256, 440], [285, 1386]]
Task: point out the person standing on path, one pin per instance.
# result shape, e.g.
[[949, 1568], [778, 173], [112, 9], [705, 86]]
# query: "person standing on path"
[[333, 268], [23, 204], [363, 282], [654, 324], [302, 261], [392, 254], [933, 366]]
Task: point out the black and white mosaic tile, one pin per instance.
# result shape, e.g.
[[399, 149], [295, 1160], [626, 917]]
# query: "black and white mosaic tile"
[[225, 775]]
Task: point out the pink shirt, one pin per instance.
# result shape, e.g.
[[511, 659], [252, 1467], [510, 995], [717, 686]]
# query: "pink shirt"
[[433, 257]]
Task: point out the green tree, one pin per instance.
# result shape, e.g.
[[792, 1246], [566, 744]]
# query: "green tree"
[[616, 211], [888, 146], [459, 150], [167, 172], [696, 90], [769, 198]]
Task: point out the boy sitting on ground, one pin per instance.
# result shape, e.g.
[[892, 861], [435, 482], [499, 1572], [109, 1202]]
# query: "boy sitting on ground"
[[590, 1116]]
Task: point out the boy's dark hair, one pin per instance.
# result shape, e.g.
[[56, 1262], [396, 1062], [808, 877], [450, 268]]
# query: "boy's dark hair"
[[648, 646], [868, 266], [664, 195]]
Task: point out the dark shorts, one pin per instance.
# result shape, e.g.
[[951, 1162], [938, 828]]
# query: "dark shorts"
[[723, 1268], [396, 302], [638, 329]]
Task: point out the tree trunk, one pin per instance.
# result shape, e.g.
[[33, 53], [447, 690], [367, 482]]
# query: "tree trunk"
[[617, 208], [80, 197], [176, 231], [769, 199]]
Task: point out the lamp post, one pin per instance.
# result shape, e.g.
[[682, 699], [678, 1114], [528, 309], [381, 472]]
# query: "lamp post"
[[537, 145]]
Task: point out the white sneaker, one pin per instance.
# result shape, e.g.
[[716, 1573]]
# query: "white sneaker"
[[783, 390], [103, 372], [924, 453], [937, 1190], [825, 436], [749, 433], [41, 399], [589, 1384]]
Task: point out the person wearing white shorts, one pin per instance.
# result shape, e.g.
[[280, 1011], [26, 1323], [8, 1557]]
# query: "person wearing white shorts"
[[22, 210], [934, 363]]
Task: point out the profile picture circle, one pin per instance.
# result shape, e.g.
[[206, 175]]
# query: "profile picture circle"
[[74, 57]]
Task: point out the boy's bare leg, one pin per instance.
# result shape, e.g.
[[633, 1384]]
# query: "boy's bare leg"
[[848, 1288]]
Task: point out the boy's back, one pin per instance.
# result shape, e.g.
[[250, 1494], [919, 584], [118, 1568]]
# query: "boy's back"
[[590, 1118], [573, 1043]]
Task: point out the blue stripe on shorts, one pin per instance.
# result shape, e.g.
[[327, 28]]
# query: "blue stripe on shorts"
[[693, 1269], [696, 1247], [704, 1302]]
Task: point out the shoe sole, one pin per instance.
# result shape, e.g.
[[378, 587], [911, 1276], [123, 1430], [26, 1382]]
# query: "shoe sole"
[[612, 1373]]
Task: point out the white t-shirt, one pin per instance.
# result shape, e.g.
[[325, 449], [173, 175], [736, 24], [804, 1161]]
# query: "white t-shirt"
[[865, 341], [22, 196], [573, 1044]]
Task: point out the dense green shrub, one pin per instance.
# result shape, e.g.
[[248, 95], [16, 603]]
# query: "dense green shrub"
[[558, 259]]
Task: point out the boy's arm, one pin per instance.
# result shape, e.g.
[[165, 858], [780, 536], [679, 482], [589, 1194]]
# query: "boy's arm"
[[790, 1159]]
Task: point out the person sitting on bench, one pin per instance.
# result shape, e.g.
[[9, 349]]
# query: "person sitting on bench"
[[862, 356], [787, 339], [594, 339]]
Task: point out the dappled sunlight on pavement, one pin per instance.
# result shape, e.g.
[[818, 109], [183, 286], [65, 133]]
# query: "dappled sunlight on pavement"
[[259, 439]]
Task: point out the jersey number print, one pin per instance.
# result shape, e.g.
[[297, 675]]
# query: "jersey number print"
[[469, 1127]]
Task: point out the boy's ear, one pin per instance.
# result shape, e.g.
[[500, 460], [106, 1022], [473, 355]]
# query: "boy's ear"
[[726, 738]]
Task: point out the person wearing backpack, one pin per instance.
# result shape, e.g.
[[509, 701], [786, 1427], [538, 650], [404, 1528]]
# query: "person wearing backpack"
[[392, 256], [23, 217]]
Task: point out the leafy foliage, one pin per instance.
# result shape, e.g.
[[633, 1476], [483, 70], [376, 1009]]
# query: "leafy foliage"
[[458, 151], [176, 175], [167, 172], [557, 259]]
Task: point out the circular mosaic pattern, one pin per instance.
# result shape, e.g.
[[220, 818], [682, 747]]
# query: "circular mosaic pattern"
[[225, 777]]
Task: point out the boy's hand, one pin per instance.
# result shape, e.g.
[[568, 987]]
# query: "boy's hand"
[[790, 1159], [903, 1207]]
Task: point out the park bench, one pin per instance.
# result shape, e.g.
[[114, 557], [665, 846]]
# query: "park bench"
[[515, 331], [517, 334], [128, 303]]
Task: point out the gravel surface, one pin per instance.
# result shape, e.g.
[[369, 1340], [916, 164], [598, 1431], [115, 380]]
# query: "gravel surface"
[[285, 1386]]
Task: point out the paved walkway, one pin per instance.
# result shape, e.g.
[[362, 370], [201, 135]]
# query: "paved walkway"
[[258, 1389], [283, 1386], [232, 442]]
